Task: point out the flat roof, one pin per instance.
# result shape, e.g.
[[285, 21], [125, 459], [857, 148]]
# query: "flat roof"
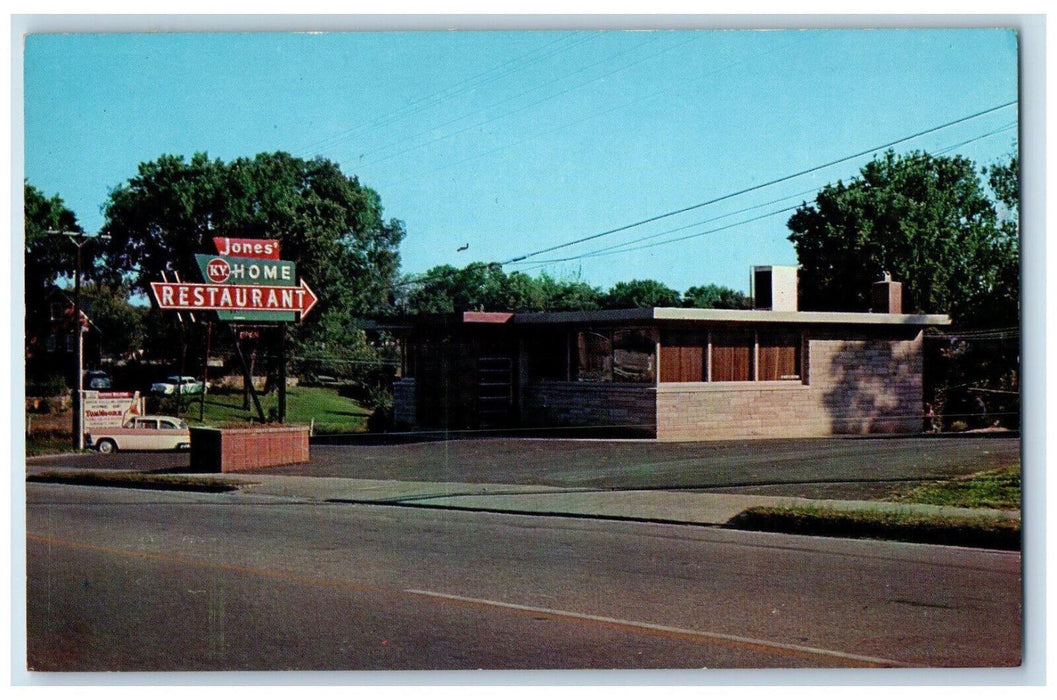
[[731, 316], [661, 315]]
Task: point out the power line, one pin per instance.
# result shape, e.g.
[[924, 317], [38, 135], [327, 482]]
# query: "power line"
[[999, 130], [976, 334], [334, 360], [698, 234], [757, 187], [489, 106], [564, 126], [530, 105], [461, 87], [624, 246]]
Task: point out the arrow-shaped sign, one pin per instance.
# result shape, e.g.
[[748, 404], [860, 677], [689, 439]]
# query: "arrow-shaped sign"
[[189, 296]]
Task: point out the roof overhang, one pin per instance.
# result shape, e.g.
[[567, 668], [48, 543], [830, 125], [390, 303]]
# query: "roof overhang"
[[677, 315], [662, 316]]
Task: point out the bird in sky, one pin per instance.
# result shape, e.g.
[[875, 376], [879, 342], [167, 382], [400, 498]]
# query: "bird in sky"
[[462, 247]]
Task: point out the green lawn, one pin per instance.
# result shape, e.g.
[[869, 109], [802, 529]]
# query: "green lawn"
[[999, 488], [996, 489], [321, 407], [48, 445], [967, 531]]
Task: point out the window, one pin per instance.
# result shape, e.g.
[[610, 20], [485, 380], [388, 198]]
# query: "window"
[[595, 352], [731, 356], [548, 355], [623, 355], [684, 357], [633, 352], [779, 355]]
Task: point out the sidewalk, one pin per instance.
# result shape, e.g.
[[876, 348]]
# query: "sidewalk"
[[654, 505]]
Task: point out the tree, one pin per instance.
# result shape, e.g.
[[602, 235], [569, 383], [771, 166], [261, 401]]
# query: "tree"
[[932, 223], [485, 287], [713, 296], [640, 294], [47, 258], [326, 222], [447, 289], [121, 324], [1004, 179], [569, 294], [927, 221]]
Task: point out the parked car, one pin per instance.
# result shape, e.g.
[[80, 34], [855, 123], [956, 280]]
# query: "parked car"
[[178, 384], [143, 433], [96, 379]]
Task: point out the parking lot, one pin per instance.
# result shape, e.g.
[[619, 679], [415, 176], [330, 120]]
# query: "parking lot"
[[812, 468]]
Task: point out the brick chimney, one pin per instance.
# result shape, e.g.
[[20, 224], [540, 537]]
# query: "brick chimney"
[[886, 296]]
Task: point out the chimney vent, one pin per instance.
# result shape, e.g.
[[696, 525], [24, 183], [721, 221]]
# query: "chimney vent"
[[774, 287], [886, 296]]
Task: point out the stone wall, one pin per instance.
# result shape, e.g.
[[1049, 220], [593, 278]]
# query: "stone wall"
[[733, 410], [628, 406], [869, 385]]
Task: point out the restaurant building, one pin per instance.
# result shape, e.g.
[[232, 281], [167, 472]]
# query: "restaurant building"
[[671, 373]]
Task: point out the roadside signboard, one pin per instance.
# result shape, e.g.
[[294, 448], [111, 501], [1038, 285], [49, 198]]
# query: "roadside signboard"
[[224, 269], [110, 409], [247, 272], [265, 302], [245, 281], [247, 247]]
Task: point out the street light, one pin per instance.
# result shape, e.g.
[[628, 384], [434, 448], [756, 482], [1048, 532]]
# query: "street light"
[[79, 239]]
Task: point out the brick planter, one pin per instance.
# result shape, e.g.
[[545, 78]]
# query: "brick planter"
[[237, 449]]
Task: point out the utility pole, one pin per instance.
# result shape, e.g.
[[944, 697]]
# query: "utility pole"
[[205, 373], [79, 239], [282, 373]]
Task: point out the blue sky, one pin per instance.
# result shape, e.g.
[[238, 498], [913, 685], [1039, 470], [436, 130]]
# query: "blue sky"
[[515, 142]]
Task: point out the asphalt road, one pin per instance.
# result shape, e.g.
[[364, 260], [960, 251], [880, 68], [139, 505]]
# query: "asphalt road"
[[814, 468], [129, 580]]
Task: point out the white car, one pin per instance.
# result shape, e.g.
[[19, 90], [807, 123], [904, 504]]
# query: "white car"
[[143, 433], [178, 384]]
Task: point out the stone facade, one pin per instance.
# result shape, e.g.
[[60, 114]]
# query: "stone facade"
[[869, 385], [735, 410], [627, 406], [852, 386]]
